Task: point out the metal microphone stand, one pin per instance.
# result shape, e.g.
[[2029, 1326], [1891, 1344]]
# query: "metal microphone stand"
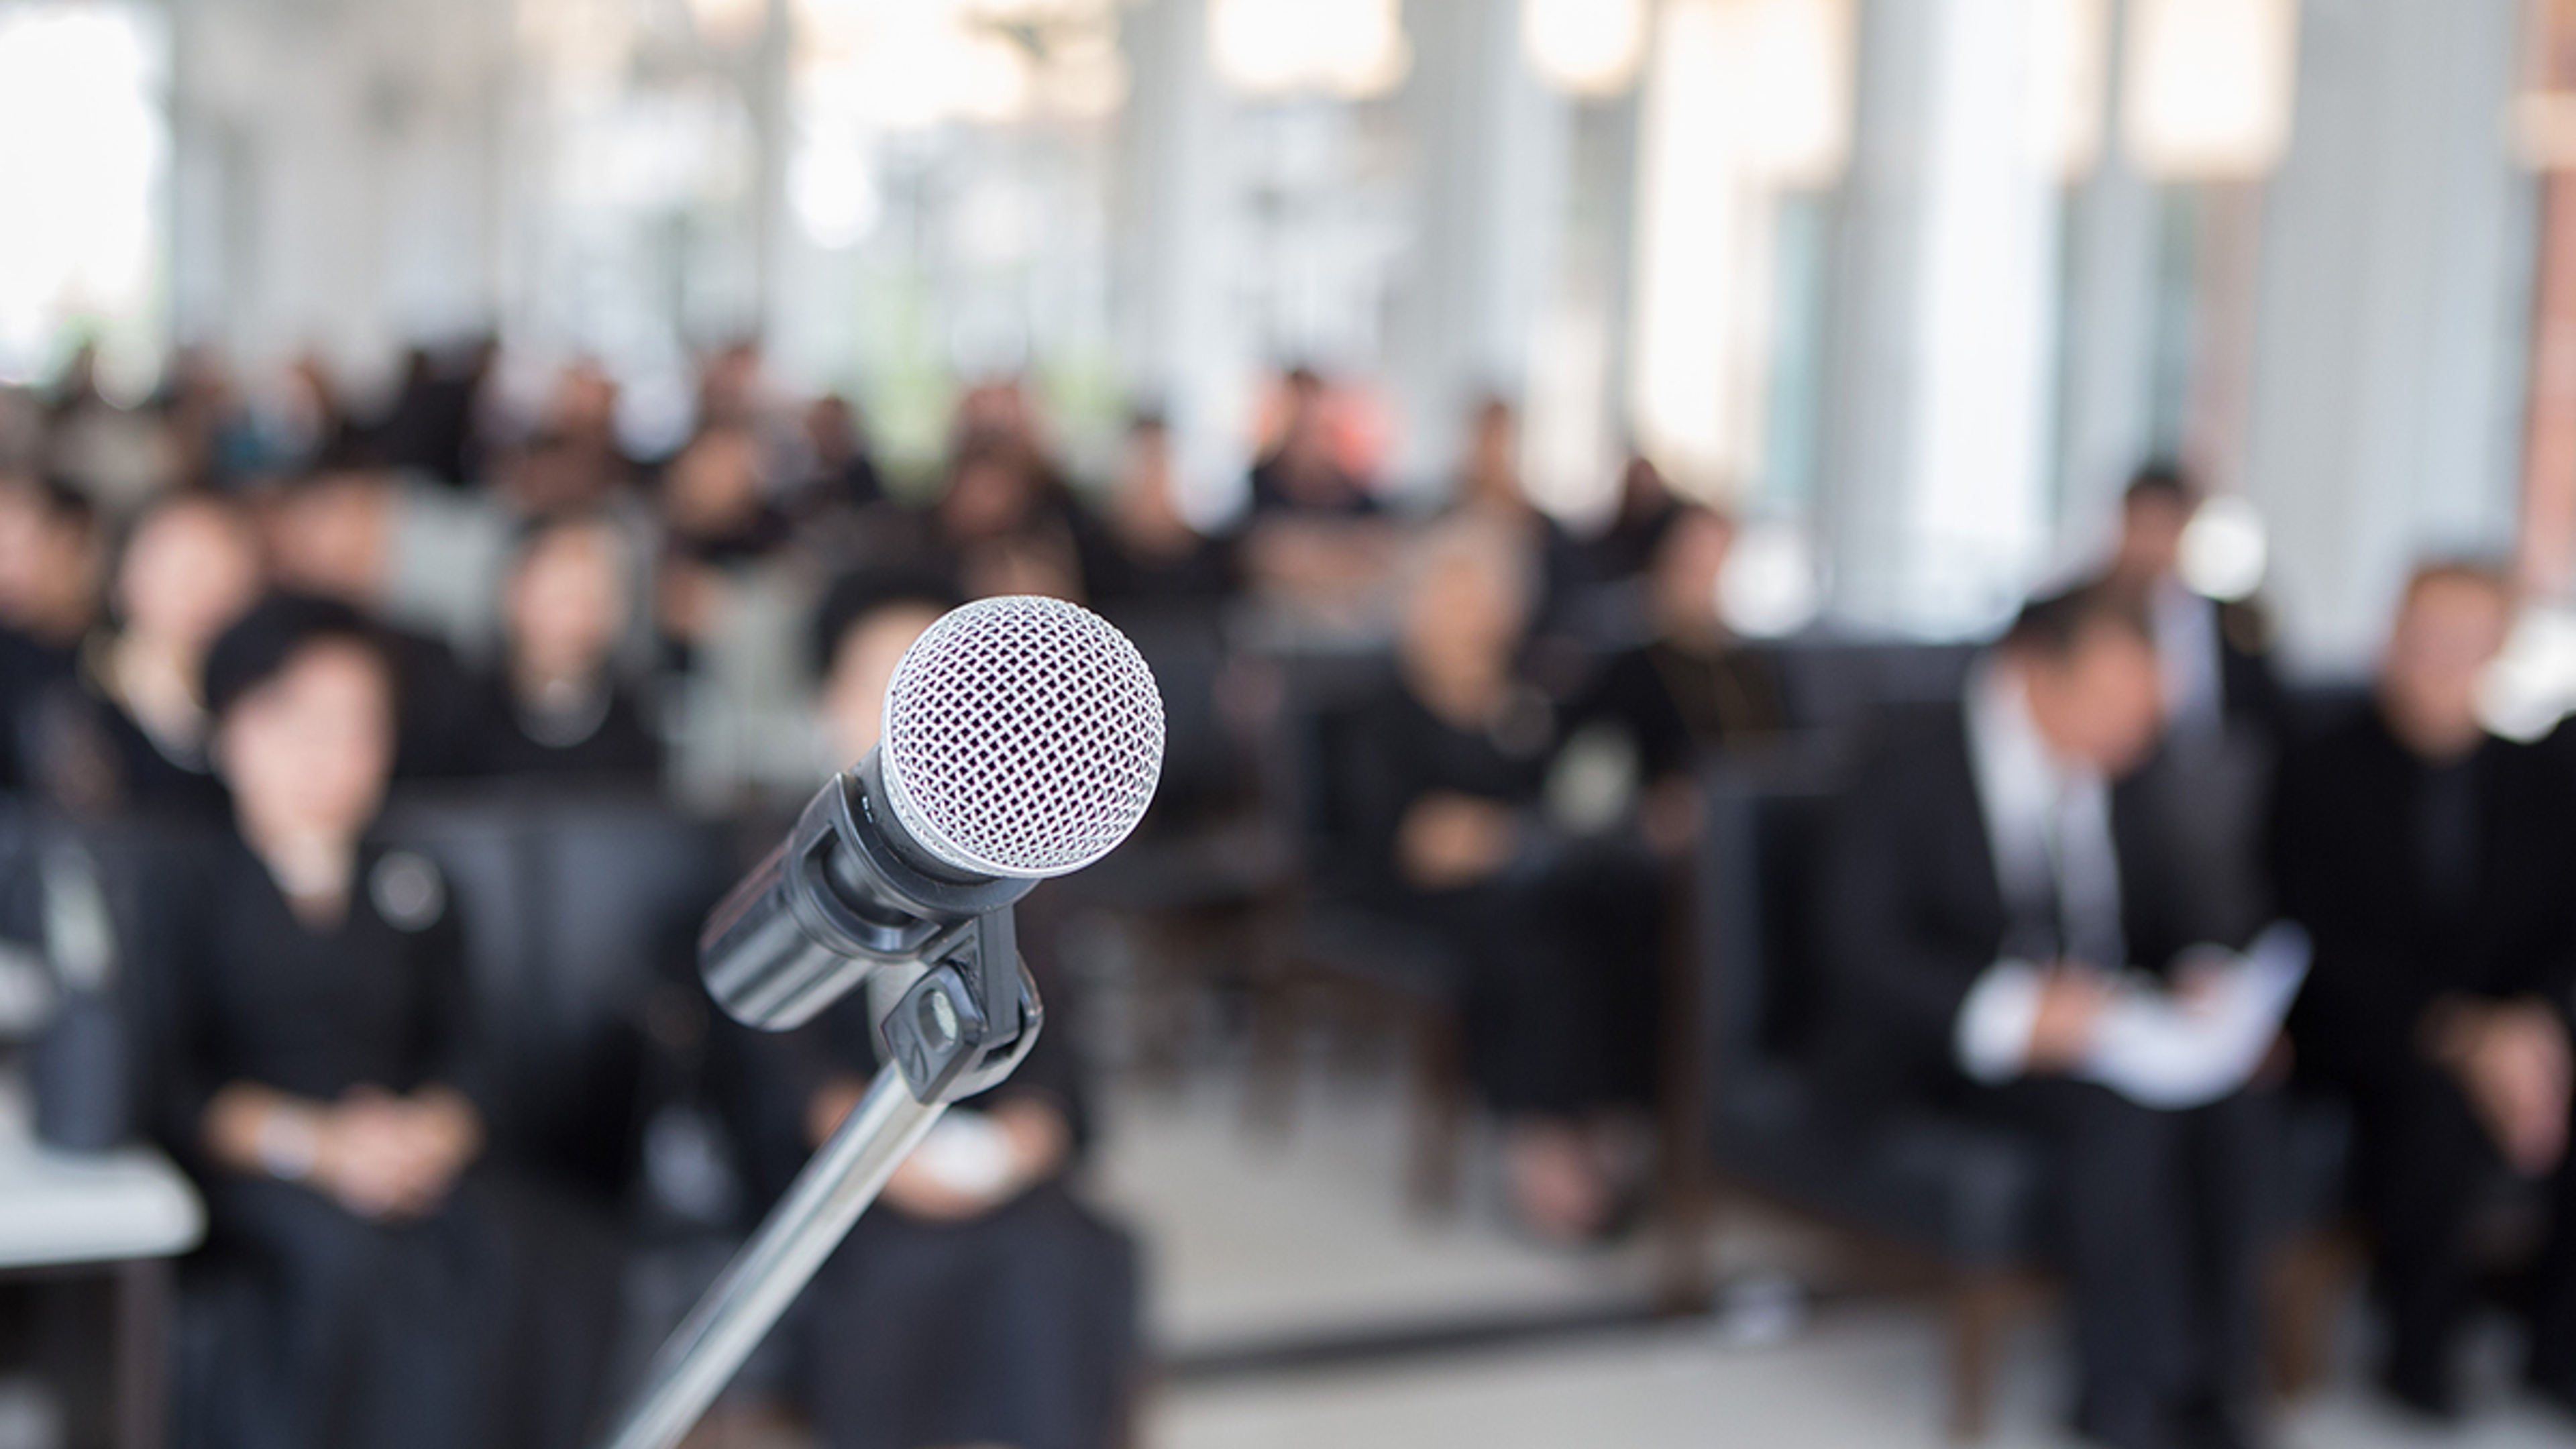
[[950, 1037]]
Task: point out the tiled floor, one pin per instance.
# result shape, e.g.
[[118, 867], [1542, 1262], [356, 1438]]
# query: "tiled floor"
[[1262, 1239]]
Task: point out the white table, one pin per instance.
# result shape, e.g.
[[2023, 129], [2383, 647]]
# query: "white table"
[[126, 1213]]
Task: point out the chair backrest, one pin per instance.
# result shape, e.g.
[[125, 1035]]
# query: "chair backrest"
[[1763, 839], [1204, 760], [1833, 684], [575, 906], [1308, 753]]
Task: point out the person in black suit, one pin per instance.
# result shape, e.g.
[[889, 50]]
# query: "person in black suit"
[[2216, 653], [1994, 864], [2430, 862]]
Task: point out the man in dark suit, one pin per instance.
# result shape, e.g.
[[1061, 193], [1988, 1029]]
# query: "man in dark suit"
[[2431, 863], [1995, 865], [2216, 654]]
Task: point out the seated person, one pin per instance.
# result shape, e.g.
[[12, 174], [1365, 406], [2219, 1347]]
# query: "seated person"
[[190, 567], [1143, 554], [1692, 687], [320, 1074], [49, 557], [2217, 663], [978, 1302], [334, 536], [1556, 948], [1489, 483], [1991, 869], [556, 705], [1002, 522], [1625, 547], [2431, 861], [1315, 538]]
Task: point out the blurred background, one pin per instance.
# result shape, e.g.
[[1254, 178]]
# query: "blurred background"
[[627, 367]]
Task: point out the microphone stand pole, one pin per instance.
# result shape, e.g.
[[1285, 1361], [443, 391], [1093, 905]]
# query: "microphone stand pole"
[[936, 1036]]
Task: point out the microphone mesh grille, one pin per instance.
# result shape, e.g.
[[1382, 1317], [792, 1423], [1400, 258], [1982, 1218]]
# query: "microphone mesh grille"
[[1023, 737]]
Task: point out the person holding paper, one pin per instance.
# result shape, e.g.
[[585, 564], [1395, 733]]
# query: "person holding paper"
[[1998, 871], [2433, 864]]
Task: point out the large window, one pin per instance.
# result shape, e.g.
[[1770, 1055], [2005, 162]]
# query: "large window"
[[84, 147]]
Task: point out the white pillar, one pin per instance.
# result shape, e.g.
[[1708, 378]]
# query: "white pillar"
[[1493, 146], [2106, 422], [1181, 346], [1936, 415], [2388, 371]]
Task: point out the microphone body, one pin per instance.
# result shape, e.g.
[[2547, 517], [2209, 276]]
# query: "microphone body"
[[846, 892]]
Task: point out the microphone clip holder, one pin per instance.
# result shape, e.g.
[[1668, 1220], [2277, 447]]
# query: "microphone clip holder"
[[959, 1029]]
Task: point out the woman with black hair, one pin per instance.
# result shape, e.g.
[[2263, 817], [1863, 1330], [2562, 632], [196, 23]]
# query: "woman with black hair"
[[320, 1074]]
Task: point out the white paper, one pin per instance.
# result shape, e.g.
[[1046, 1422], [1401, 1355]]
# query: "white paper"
[[2164, 1051]]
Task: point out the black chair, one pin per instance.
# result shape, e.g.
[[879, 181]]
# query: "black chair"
[[581, 910], [1843, 683], [1324, 955], [1964, 1197], [1193, 880]]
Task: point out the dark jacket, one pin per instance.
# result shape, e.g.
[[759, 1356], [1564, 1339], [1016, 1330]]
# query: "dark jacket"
[[1913, 912], [2358, 860]]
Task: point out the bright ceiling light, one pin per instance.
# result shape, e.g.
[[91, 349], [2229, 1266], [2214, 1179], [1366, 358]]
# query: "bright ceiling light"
[[2209, 86], [1349, 48], [1584, 47]]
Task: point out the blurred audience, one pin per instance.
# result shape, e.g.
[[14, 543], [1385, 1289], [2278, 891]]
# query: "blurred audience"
[[1555, 946], [1143, 552], [1316, 541], [2430, 862], [1997, 865], [1004, 522], [559, 704], [49, 585], [190, 567], [1520, 786], [322, 1075], [841, 471], [1693, 689], [1645, 509], [2216, 655]]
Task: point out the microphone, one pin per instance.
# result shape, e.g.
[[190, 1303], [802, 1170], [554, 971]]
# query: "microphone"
[[1023, 738]]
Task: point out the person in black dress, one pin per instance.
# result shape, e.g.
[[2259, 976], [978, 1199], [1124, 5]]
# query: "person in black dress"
[[2431, 863], [1004, 523], [1691, 688], [1555, 946], [189, 568], [557, 705], [979, 1302], [319, 1072], [49, 562], [1316, 537], [1490, 484], [1142, 556], [1626, 548]]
